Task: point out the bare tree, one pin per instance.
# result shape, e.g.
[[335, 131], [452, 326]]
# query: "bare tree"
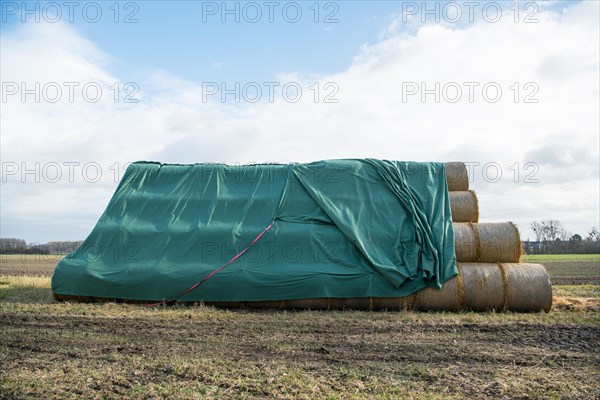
[[552, 238], [552, 229], [538, 230]]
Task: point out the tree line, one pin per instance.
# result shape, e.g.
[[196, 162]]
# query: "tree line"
[[552, 238], [20, 246]]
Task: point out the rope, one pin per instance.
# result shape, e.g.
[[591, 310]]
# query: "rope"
[[207, 277]]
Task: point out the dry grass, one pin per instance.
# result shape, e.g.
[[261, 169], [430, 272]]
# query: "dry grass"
[[25, 289], [576, 304], [580, 298], [72, 350]]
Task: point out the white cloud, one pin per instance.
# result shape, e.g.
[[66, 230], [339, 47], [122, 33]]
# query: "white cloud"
[[172, 123]]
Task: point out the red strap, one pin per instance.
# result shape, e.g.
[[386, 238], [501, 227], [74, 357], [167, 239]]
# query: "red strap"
[[207, 277]]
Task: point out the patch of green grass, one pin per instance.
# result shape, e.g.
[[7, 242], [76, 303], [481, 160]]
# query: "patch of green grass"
[[561, 269], [585, 291], [541, 258]]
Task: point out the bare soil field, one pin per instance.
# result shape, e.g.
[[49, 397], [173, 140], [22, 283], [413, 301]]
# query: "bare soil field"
[[28, 264], [71, 350], [570, 269], [200, 353], [573, 273]]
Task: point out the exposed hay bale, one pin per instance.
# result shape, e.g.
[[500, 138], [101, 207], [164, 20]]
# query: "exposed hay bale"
[[464, 206], [529, 287], [503, 286], [487, 242], [484, 287], [447, 298], [499, 242], [457, 176], [466, 243]]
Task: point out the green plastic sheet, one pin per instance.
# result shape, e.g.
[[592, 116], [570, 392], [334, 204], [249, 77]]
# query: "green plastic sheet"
[[341, 229]]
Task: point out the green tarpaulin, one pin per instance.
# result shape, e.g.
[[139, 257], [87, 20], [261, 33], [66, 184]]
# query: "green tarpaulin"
[[341, 228]]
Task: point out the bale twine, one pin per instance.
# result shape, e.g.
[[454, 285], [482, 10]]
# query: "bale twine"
[[457, 176], [464, 206], [487, 242]]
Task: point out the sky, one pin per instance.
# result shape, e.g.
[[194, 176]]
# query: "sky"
[[512, 88]]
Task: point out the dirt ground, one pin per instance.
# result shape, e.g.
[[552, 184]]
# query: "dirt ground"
[[28, 265], [73, 350], [108, 357], [573, 273]]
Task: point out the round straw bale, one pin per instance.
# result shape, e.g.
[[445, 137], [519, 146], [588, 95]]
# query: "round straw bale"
[[487, 242], [464, 206], [446, 298], [529, 287], [466, 245], [498, 242], [487, 286], [483, 286], [457, 176]]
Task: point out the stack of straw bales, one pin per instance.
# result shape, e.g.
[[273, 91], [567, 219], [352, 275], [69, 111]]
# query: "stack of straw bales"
[[490, 274]]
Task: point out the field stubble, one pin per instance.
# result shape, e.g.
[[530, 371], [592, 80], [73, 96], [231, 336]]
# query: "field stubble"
[[71, 350]]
